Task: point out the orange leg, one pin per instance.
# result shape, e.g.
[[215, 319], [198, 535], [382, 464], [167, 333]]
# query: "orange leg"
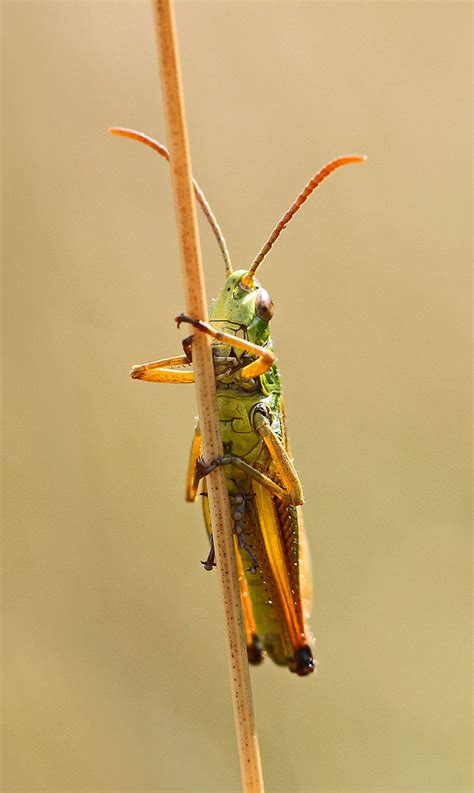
[[265, 358], [158, 371], [192, 480]]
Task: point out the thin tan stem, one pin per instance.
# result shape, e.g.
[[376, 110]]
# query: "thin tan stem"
[[196, 307]]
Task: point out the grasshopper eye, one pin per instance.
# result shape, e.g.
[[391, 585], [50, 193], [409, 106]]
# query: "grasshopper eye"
[[264, 305]]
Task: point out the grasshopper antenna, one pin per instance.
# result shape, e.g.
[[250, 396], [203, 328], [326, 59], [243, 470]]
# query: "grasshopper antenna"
[[303, 196], [201, 198]]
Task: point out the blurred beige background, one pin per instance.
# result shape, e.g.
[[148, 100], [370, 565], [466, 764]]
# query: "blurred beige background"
[[113, 660]]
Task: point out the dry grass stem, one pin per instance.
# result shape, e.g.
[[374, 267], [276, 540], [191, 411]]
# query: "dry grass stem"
[[196, 307]]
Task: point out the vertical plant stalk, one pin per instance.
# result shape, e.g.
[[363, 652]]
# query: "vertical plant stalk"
[[196, 307]]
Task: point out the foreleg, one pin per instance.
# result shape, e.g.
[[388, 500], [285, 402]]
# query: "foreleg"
[[158, 371], [265, 358]]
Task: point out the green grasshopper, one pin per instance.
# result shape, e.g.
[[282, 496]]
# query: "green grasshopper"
[[264, 489]]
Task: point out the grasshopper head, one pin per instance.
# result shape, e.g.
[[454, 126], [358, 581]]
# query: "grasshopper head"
[[243, 308]]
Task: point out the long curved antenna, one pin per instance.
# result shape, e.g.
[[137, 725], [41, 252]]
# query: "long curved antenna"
[[303, 196], [201, 198]]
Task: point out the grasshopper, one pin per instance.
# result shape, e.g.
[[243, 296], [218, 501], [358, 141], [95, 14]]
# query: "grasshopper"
[[264, 488]]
